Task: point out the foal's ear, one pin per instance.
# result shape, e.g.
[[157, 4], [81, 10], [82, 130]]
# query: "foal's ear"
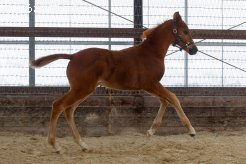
[[176, 17]]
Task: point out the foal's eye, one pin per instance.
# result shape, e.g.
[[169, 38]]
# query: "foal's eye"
[[186, 32]]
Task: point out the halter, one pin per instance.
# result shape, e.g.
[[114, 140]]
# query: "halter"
[[179, 38]]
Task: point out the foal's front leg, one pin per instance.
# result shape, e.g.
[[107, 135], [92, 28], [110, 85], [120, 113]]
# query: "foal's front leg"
[[158, 119], [159, 91]]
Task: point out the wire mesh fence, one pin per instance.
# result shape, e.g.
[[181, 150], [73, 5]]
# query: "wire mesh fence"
[[181, 70]]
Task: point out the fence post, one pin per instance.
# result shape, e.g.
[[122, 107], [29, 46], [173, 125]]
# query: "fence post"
[[222, 41], [32, 43], [138, 17], [109, 22], [186, 57]]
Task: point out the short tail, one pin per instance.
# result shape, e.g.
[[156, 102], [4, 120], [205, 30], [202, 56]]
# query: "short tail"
[[48, 59]]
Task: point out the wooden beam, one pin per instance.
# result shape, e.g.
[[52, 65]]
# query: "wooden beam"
[[110, 32], [218, 34], [70, 32]]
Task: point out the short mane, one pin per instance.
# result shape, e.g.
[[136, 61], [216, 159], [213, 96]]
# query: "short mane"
[[150, 31]]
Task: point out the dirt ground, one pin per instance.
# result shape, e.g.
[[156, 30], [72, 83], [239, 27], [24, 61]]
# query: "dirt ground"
[[227, 147]]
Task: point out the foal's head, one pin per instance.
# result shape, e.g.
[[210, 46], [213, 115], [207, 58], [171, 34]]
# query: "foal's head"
[[182, 36]]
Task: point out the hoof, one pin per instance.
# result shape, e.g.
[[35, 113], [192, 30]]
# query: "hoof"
[[57, 149], [192, 135], [84, 147], [86, 150], [192, 132], [150, 133], [58, 152]]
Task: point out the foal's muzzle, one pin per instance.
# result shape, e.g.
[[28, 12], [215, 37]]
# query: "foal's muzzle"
[[193, 50]]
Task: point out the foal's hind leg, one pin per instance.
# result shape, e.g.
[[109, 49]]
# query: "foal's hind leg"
[[57, 109], [69, 114], [60, 105], [159, 91]]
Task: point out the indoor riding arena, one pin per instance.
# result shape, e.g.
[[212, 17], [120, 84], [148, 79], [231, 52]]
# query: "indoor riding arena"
[[117, 125]]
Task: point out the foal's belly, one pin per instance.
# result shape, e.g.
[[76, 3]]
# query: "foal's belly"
[[114, 85]]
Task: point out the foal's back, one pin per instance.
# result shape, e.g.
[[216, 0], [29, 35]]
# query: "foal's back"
[[125, 69]]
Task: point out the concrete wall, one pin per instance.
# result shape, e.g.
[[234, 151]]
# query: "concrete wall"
[[24, 109]]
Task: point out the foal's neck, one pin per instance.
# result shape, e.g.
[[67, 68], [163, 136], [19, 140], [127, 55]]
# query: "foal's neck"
[[160, 39]]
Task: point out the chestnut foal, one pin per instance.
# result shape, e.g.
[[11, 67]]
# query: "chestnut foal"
[[140, 67]]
